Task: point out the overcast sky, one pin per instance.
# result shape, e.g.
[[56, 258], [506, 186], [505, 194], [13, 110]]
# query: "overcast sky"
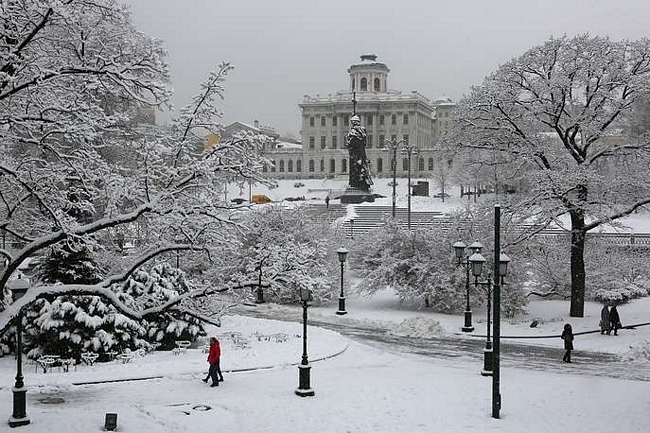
[[284, 49]]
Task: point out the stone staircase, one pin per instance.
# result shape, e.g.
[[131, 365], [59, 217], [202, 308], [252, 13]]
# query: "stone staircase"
[[370, 217]]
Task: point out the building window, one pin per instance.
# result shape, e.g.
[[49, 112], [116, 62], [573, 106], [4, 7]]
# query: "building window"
[[393, 119], [393, 138], [369, 119], [405, 164], [322, 121], [281, 166], [405, 137], [369, 141], [312, 141], [311, 165], [346, 120], [382, 119], [344, 166], [290, 166], [334, 141], [377, 85], [380, 165], [364, 84], [323, 142], [332, 166], [299, 165], [272, 166], [265, 169], [322, 165], [382, 138], [311, 121], [335, 120], [405, 119], [430, 164], [421, 164]]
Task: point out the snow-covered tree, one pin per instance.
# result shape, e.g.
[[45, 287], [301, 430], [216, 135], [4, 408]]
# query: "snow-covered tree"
[[286, 249], [421, 268], [555, 118], [72, 76]]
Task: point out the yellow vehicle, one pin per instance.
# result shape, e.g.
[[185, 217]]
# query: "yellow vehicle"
[[261, 199]]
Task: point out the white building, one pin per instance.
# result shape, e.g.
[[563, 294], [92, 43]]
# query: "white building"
[[386, 114]]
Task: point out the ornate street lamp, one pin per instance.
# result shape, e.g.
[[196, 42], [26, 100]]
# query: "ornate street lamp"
[[393, 145], [462, 259], [304, 388], [410, 150], [19, 417], [492, 354], [343, 253]]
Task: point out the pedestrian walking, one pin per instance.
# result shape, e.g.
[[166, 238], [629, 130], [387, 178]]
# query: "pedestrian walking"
[[327, 202], [567, 336], [614, 319], [214, 359], [604, 321]]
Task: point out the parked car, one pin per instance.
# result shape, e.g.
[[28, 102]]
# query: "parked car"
[[441, 194], [261, 199], [238, 200]]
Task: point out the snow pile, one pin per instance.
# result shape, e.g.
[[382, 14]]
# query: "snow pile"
[[639, 352], [418, 327]]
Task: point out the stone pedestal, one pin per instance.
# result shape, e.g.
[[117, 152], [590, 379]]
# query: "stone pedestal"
[[356, 196]]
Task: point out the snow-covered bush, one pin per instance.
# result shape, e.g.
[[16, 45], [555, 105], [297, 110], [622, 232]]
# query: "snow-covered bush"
[[287, 248], [421, 267], [155, 287], [618, 292], [70, 325]]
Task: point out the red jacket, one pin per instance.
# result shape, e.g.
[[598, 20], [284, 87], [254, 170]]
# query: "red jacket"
[[215, 353]]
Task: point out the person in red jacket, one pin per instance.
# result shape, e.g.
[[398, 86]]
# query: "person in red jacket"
[[214, 357]]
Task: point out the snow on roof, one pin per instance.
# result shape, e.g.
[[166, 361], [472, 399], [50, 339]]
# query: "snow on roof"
[[288, 145]]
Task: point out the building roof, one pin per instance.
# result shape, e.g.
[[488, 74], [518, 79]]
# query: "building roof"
[[346, 97]]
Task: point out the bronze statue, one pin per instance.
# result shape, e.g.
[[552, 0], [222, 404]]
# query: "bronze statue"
[[359, 164]]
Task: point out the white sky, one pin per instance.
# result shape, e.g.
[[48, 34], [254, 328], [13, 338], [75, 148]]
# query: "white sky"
[[285, 49]]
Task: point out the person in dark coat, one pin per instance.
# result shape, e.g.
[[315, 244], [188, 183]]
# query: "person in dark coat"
[[567, 336], [327, 201], [614, 319], [214, 359], [604, 321]]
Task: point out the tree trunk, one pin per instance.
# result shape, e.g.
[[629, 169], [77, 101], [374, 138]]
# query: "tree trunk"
[[577, 263]]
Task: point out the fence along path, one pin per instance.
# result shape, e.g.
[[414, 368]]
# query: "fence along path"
[[369, 217]]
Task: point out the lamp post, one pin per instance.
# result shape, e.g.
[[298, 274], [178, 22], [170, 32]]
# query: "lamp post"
[[393, 145], [500, 262], [462, 259], [304, 388], [19, 417], [343, 253], [410, 150]]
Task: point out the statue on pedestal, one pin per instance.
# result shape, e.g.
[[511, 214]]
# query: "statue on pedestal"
[[359, 165]]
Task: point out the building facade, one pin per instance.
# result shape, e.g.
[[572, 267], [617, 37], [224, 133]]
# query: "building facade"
[[386, 114]]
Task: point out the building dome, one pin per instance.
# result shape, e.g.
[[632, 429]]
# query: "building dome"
[[368, 75]]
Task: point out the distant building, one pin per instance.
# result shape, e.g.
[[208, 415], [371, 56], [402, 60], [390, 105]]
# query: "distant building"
[[386, 114]]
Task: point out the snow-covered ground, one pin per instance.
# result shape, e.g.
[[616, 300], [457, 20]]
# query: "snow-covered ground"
[[315, 190], [358, 388]]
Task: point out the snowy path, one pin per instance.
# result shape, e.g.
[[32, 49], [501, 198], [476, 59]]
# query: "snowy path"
[[513, 355]]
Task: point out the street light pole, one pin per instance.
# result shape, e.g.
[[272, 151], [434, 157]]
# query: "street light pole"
[[342, 252], [393, 145], [410, 150], [19, 417], [304, 387], [496, 371]]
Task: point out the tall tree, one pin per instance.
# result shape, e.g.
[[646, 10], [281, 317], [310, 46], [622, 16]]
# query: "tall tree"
[[557, 119], [71, 75]]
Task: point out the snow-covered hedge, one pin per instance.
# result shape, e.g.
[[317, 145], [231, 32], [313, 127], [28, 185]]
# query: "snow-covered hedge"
[[617, 292]]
